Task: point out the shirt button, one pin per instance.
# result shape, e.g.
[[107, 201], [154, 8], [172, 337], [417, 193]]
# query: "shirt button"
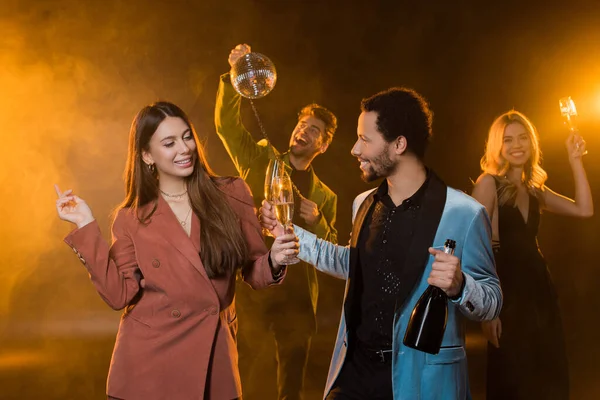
[[155, 263], [175, 313], [384, 241], [213, 310]]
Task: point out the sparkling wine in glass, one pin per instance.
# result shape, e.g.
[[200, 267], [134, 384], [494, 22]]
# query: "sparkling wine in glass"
[[275, 170], [282, 198], [568, 111]]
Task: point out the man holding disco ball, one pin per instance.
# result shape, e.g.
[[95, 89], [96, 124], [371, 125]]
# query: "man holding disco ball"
[[287, 312]]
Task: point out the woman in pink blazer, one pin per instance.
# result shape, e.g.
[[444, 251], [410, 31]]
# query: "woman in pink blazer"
[[180, 238]]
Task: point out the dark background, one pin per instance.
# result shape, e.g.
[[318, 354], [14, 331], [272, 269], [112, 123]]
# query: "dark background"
[[74, 73]]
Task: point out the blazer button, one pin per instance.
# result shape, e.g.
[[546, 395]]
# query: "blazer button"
[[175, 313], [213, 310], [155, 263]]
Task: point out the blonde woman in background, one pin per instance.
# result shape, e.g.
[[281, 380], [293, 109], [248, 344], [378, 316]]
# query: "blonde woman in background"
[[526, 355]]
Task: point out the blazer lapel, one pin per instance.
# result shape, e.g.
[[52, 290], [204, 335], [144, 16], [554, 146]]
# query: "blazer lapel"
[[428, 220], [171, 230], [360, 218], [361, 214], [195, 233]]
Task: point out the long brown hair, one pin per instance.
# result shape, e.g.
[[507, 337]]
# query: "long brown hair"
[[223, 247], [493, 163]]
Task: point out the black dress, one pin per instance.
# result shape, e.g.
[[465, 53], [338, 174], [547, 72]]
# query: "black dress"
[[531, 362]]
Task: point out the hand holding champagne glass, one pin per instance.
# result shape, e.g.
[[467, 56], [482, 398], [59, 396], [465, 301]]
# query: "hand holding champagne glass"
[[282, 198], [275, 169], [575, 143]]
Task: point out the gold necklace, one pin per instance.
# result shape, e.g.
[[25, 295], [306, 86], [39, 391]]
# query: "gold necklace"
[[173, 196], [183, 223]]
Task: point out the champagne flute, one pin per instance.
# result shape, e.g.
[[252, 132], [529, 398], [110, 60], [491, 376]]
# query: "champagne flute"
[[282, 198], [275, 169], [568, 111]]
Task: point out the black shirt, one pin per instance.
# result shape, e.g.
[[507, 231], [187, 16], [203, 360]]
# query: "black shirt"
[[382, 248], [303, 181]]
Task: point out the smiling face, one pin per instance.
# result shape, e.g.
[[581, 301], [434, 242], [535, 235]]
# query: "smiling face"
[[516, 145], [308, 137], [172, 149], [371, 149]]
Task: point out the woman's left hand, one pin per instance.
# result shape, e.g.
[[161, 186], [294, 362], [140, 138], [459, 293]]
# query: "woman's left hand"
[[575, 146]]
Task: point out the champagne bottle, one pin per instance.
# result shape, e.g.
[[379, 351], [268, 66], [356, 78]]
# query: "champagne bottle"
[[427, 322]]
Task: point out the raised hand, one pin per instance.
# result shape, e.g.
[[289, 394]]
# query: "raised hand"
[[239, 51], [72, 208], [575, 146]]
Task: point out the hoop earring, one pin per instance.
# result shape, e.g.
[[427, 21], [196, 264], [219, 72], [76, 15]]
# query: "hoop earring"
[[151, 168]]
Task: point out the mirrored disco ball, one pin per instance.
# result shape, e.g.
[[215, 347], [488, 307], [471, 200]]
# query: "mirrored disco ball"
[[253, 76]]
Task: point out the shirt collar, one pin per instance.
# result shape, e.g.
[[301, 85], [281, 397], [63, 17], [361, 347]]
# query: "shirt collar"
[[414, 200]]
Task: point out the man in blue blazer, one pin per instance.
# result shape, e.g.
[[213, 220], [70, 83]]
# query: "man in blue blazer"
[[395, 252]]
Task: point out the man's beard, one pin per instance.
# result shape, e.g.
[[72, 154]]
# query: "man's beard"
[[381, 167], [301, 151]]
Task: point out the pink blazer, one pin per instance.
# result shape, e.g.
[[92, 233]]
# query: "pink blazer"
[[177, 335]]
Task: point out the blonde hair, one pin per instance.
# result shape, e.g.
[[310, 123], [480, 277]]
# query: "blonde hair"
[[494, 164]]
